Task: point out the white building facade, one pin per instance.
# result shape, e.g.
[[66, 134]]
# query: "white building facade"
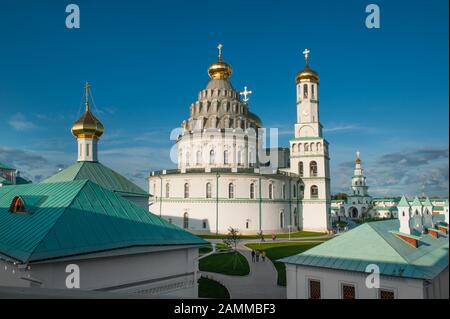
[[225, 178]]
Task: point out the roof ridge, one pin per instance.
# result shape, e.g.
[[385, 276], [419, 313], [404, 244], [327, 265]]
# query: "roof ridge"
[[382, 237], [84, 183]]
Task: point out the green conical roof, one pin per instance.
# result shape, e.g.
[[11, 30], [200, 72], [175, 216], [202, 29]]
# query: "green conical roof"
[[403, 202], [416, 202], [427, 202]]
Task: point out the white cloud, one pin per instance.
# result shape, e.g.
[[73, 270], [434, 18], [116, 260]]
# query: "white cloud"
[[20, 123]]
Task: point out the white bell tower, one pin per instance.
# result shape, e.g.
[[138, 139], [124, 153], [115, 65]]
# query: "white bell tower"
[[309, 153]]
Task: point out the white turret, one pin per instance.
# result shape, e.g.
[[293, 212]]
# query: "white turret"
[[404, 216]]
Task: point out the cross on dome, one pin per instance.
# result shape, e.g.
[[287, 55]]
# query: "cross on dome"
[[246, 93], [306, 54], [219, 47]]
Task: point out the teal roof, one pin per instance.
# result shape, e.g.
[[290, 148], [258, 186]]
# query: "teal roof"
[[376, 243], [403, 202], [416, 202], [21, 181], [100, 174], [6, 167], [4, 181], [427, 202], [80, 217]]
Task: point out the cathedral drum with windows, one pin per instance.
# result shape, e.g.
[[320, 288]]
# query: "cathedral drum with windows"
[[220, 182]]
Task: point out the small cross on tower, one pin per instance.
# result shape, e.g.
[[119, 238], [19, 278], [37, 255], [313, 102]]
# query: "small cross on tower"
[[219, 47], [306, 54], [86, 88], [246, 93]]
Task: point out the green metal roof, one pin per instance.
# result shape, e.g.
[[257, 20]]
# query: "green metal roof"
[[6, 167], [21, 181], [427, 202], [403, 202], [100, 174], [79, 217], [4, 181], [416, 202], [375, 243]]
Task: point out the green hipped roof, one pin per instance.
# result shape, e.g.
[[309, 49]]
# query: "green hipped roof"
[[100, 174], [427, 202], [6, 167], [403, 202], [79, 217], [375, 243], [416, 202]]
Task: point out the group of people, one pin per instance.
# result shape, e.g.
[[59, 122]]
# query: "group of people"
[[256, 254]]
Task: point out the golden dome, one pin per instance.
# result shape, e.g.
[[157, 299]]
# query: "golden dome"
[[358, 161], [307, 74], [220, 70], [88, 126], [255, 119]]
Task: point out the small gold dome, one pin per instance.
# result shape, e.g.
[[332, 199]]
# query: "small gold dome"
[[307, 74], [358, 161], [220, 70], [88, 126]]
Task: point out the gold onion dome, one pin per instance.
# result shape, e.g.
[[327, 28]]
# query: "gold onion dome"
[[220, 70], [88, 126], [307, 73]]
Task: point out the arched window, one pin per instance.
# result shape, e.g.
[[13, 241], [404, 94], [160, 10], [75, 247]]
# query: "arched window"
[[281, 220], [230, 190], [294, 191], [313, 93], [306, 147], [313, 169], [270, 191], [198, 158], [208, 190], [252, 190], [187, 158], [211, 157], [300, 169], [186, 190], [17, 206], [167, 190], [319, 147], [225, 157], [301, 191], [185, 221], [305, 91], [239, 158], [314, 192], [295, 217]]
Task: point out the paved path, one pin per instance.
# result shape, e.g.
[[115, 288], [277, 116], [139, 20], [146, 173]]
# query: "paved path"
[[261, 283]]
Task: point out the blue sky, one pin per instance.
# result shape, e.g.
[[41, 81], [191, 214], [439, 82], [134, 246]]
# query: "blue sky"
[[383, 91]]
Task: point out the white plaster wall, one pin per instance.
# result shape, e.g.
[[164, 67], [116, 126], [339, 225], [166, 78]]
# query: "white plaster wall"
[[331, 282]]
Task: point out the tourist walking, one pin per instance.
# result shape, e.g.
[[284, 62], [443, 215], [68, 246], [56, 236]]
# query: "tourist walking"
[[253, 255], [263, 255], [257, 256]]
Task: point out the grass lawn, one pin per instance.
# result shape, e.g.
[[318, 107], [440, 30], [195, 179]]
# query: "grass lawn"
[[232, 263], [207, 249], [297, 234], [276, 251], [208, 288]]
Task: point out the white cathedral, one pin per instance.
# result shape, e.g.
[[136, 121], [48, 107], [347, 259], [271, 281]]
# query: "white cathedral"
[[222, 179]]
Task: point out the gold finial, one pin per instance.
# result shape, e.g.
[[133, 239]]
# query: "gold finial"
[[358, 159], [86, 88], [306, 54], [219, 47]]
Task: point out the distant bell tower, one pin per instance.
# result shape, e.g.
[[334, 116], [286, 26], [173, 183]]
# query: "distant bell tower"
[[309, 152], [87, 130], [359, 186]]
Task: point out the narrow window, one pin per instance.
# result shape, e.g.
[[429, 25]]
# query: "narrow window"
[[270, 191], [313, 169], [314, 192], [281, 220], [314, 289], [313, 93], [186, 190], [305, 91], [204, 223], [208, 190], [300, 169], [185, 221], [284, 191], [87, 150], [211, 157], [167, 190], [252, 191], [230, 190], [225, 157]]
